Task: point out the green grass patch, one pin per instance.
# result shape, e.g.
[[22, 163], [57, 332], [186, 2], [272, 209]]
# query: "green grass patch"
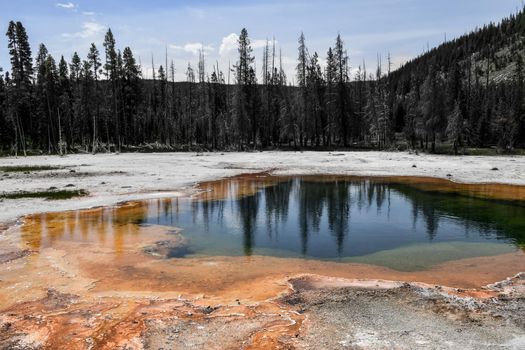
[[49, 194], [27, 168]]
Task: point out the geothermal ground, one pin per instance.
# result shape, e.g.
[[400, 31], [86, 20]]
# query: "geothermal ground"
[[69, 295]]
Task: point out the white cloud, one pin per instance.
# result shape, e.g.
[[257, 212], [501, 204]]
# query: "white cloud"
[[230, 43], [89, 29], [67, 5], [193, 48], [257, 44], [88, 13]]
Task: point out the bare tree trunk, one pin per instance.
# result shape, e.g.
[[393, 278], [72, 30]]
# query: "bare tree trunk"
[[16, 140], [21, 131], [94, 147], [60, 141]]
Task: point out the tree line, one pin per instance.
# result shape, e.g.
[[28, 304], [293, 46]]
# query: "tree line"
[[468, 92]]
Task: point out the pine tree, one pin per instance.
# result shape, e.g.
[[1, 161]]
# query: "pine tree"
[[132, 93], [244, 64], [94, 60], [302, 62], [331, 80], [75, 67], [316, 97], [44, 123], [245, 106], [301, 69], [86, 103], [343, 106], [112, 76], [6, 136], [455, 127], [21, 78], [519, 98], [64, 103]]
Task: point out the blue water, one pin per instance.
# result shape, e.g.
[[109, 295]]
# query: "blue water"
[[302, 217]]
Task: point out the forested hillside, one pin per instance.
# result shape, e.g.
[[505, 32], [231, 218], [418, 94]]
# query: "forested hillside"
[[468, 92]]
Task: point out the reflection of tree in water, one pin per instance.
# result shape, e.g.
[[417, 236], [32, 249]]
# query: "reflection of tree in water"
[[207, 209], [277, 198], [381, 191], [314, 199], [99, 225], [311, 198], [204, 210], [370, 192], [314, 196], [122, 222], [168, 210], [248, 208], [338, 206], [165, 209], [415, 212], [427, 209], [488, 218], [431, 216]]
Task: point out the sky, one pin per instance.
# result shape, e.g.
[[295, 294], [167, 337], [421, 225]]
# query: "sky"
[[401, 28]]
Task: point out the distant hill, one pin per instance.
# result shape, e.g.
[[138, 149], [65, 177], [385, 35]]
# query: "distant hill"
[[494, 46], [465, 92]]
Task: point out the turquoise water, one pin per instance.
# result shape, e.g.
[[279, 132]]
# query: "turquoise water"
[[359, 220]]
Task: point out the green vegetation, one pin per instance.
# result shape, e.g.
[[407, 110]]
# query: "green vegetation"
[[26, 168], [48, 194]]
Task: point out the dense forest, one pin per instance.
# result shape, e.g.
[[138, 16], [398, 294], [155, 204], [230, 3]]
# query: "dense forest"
[[468, 92]]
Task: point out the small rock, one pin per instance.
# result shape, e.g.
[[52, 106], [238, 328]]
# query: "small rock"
[[207, 310], [414, 166], [494, 169]]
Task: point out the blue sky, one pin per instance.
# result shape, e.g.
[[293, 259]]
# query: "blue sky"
[[369, 27]]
